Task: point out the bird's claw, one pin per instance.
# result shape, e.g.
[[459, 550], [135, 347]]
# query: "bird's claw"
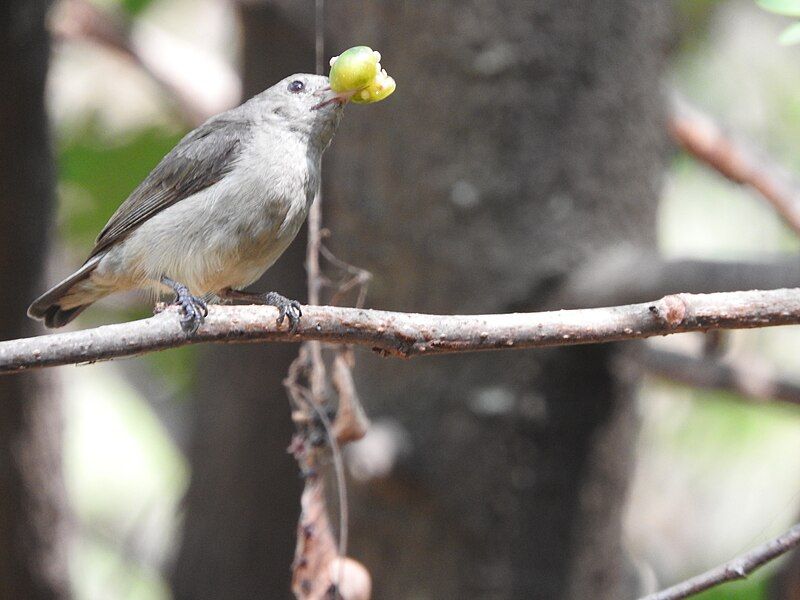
[[194, 310], [287, 309]]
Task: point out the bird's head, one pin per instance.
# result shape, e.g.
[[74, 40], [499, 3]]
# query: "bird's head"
[[305, 104]]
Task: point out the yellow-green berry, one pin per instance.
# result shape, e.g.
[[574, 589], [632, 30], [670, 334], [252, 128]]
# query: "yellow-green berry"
[[354, 69], [357, 71], [380, 88]]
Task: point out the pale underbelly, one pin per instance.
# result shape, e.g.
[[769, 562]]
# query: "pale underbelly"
[[201, 246]]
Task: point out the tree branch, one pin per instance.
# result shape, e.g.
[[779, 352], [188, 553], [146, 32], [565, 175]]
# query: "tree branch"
[[409, 334], [705, 140], [624, 275], [756, 382], [738, 568]]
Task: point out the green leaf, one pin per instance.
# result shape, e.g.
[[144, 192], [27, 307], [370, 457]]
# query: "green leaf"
[[782, 7], [790, 35]]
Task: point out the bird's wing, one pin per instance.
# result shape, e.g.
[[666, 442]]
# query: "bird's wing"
[[202, 158]]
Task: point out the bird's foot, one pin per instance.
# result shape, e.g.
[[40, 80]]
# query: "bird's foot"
[[287, 309], [193, 309]]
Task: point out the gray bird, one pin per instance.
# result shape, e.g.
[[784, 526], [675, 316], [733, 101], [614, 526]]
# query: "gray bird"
[[216, 212]]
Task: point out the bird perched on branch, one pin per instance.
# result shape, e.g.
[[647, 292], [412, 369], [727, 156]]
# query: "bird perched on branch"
[[216, 212]]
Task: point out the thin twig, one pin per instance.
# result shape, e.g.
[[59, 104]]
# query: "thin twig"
[[358, 277], [318, 569], [738, 568], [317, 376], [410, 334], [319, 36], [705, 140]]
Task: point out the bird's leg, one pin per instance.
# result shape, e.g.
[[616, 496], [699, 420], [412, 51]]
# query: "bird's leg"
[[289, 309], [194, 309]]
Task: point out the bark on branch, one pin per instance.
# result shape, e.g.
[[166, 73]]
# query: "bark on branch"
[[738, 568], [409, 334]]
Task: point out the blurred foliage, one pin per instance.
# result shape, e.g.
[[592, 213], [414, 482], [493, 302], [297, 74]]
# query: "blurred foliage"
[[135, 7], [754, 588], [790, 8], [744, 226], [100, 571], [96, 176], [126, 502], [691, 21], [720, 479], [790, 35], [176, 366], [718, 418], [130, 8]]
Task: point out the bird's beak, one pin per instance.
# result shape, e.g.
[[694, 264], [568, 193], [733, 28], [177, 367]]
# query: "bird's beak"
[[330, 97]]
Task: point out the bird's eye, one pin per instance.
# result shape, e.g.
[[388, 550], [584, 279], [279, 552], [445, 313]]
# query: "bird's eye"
[[296, 86]]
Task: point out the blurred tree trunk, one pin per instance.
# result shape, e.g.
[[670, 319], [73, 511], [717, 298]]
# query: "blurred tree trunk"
[[32, 532], [243, 500], [524, 139]]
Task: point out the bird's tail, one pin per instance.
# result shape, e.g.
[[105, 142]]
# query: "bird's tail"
[[62, 303]]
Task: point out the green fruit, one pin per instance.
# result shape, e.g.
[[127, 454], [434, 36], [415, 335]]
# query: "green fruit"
[[354, 69], [380, 88], [358, 71]]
